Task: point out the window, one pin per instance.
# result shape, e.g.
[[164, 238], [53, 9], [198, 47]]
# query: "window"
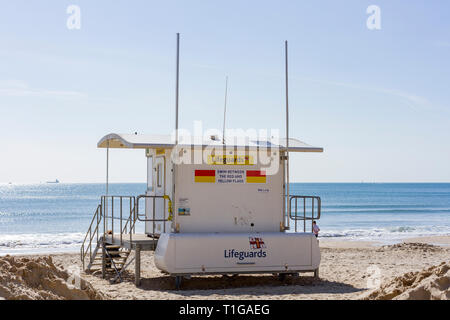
[[150, 174], [159, 176]]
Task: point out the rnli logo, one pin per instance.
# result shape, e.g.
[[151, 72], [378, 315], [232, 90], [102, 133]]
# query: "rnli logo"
[[256, 243]]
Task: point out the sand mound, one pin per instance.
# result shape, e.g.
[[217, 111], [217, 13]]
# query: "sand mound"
[[39, 278], [429, 284], [411, 246]]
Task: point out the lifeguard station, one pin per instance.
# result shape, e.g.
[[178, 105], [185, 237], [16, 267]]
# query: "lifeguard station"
[[212, 206]]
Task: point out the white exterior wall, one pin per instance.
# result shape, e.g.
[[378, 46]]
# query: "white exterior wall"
[[197, 253], [228, 207]]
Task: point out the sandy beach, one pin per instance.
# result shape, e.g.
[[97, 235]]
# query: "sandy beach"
[[349, 270]]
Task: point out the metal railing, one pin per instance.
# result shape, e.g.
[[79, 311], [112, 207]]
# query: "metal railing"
[[310, 209], [105, 213], [166, 216], [119, 215], [126, 218], [92, 233]]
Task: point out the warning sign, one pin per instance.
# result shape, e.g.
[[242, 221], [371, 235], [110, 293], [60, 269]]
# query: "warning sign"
[[231, 176]]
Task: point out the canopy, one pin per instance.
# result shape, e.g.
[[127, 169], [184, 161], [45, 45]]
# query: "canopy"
[[137, 141]]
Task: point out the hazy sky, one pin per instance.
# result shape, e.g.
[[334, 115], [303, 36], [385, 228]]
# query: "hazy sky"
[[378, 101]]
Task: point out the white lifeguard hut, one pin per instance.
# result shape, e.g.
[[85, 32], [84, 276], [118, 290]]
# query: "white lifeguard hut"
[[212, 206]]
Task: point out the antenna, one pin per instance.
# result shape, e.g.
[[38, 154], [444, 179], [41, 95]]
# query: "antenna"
[[287, 131], [225, 109], [177, 88]]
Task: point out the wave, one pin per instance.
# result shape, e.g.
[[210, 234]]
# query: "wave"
[[386, 234], [51, 197], [9, 243], [387, 210]]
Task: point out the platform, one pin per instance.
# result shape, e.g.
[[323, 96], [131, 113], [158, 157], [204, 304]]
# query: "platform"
[[141, 240]]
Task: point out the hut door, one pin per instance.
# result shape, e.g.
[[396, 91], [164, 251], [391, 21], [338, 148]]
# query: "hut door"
[[156, 208], [159, 176]]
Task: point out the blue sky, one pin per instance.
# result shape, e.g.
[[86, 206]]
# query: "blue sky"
[[376, 100]]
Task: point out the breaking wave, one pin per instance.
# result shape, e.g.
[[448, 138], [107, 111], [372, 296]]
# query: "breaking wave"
[[45, 242], [388, 234]]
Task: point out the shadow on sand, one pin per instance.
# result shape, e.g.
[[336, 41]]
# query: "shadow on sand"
[[242, 284]]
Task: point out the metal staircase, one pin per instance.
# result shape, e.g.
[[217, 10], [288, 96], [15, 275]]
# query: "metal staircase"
[[92, 235], [108, 247], [116, 257], [97, 251]]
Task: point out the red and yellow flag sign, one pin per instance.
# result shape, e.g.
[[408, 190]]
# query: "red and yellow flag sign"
[[207, 176], [256, 176]]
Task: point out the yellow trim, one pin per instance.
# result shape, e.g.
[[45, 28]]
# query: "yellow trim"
[[169, 207], [256, 180], [230, 160], [205, 179]]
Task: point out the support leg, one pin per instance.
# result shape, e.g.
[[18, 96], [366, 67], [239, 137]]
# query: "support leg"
[[137, 264], [178, 281], [103, 260], [316, 273]]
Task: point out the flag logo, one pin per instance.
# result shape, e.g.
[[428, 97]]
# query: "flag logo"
[[256, 176], [205, 176], [256, 243]]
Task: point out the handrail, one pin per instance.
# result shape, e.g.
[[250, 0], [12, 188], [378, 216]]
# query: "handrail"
[[169, 208], [97, 217], [314, 213], [108, 210], [154, 219]]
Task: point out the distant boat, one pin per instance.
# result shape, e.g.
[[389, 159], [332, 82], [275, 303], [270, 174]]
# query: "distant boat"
[[56, 181]]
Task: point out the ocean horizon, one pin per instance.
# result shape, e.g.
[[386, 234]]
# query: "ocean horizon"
[[50, 218]]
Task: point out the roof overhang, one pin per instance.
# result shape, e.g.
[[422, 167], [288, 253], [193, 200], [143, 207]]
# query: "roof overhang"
[[135, 141]]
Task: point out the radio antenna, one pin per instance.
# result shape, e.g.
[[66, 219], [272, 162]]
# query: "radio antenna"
[[225, 109], [177, 88], [287, 132]]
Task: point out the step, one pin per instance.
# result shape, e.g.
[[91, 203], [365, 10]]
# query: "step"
[[98, 262], [117, 252], [98, 267], [114, 255], [107, 269], [115, 258], [111, 269], [112, 246], [99, 252]]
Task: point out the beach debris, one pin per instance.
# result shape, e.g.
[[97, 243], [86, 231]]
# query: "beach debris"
[[39, 279], [429, 284]]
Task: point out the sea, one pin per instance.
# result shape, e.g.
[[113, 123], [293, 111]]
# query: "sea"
[[50, 218]]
